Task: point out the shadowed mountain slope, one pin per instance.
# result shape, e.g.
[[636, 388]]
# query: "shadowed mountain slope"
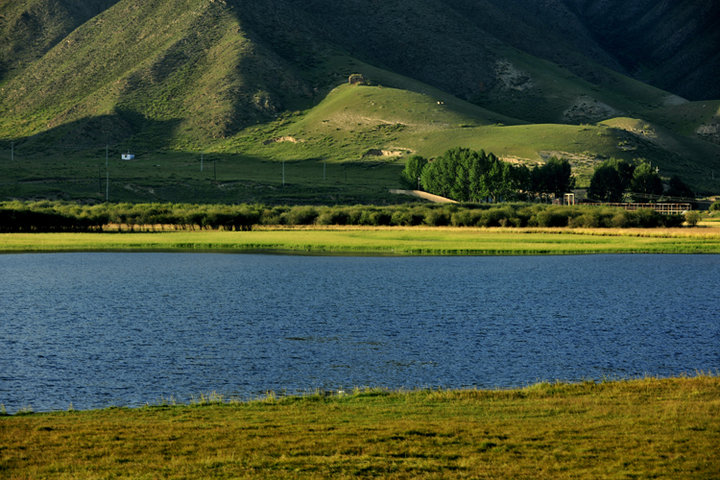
[[673, 45]]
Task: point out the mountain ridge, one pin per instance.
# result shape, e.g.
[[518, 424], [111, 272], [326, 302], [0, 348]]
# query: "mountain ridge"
[[232, 76]]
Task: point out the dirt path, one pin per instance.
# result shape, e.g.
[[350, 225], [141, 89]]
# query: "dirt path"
[[424, 195]]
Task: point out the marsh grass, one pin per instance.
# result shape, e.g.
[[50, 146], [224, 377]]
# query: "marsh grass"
[[644, 428], [381, 241]]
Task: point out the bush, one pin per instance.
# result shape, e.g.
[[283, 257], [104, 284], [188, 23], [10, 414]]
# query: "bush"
[[672, 221], [374, 217], [586, 220], [462, 218], [692, 217], [401, 218], [437, 218], [553, 217], [333, 217], [301, 216], [60, 216], [647, 218], [715, 206], [621, 220]]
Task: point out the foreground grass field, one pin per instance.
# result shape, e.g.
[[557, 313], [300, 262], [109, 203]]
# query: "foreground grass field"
[[649, 428], [382, 241]]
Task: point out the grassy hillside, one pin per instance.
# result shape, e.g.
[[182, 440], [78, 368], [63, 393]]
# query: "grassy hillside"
[[349, 148], [174, 80], [181, 68], [28, 29]]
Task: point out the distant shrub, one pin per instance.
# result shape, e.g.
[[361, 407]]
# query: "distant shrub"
[[715, 206], [333, 217], [271, 216], [417, 216], [621, 220], [374, 217], [674, 220], [586, 220], [493, 217], [462, 218], [647, 218], [692, 217], [60, 216], [553, 217], [437, 218], [301, 216], [401, 218]]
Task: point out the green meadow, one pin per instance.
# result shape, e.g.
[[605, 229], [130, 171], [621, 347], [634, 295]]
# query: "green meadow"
[[645, 428], [381, 241]]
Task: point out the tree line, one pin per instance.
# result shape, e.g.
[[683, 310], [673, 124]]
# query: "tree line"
[[615, 178], [469, 176], [70, 217]]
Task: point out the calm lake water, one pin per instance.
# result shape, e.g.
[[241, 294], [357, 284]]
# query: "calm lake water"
[[102, 329]]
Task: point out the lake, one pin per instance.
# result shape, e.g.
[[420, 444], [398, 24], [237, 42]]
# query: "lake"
[[124, 329]]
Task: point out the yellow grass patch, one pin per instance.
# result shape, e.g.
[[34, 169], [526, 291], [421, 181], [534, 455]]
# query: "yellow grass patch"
[[648, 428], [382, 241]]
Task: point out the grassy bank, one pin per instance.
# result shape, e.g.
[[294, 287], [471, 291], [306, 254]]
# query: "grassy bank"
[[382, 241], [647, 428]]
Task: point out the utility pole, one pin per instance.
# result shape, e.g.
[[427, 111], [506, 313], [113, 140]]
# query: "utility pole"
[[12, 151], [201, 161], [215, 168], [107, 175], [324, 168], [283, 173]]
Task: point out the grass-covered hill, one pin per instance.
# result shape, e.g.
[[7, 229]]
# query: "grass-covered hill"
[[257, 91]]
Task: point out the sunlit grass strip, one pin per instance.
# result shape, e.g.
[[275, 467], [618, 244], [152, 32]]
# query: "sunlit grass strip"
[[649, 428], [381, 241]]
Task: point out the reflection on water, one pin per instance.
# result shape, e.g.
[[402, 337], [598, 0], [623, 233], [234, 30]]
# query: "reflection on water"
[[100, 329]]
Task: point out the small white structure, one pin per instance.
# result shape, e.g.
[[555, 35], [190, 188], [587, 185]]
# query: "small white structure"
[[128, 156]]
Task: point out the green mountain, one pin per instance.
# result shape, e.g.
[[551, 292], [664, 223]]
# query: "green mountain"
[[259, 90]]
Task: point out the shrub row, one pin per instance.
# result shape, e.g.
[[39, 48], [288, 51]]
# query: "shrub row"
[[59, 216]]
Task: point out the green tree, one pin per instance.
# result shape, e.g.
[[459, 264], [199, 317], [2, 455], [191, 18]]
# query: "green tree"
[[606, 184], [469, 176], [678, 188], [554, 177], [624, 169], [438, 177], [460, 160], [477, 178], [646, 180], [412, 172]]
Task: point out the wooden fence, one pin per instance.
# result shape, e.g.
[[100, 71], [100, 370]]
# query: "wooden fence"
[[664, 208]]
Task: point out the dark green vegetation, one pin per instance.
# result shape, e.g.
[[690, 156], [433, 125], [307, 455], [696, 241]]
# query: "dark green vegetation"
[[614, 178], [67, 217], [468, 176], [251, 84], [649, 428]]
